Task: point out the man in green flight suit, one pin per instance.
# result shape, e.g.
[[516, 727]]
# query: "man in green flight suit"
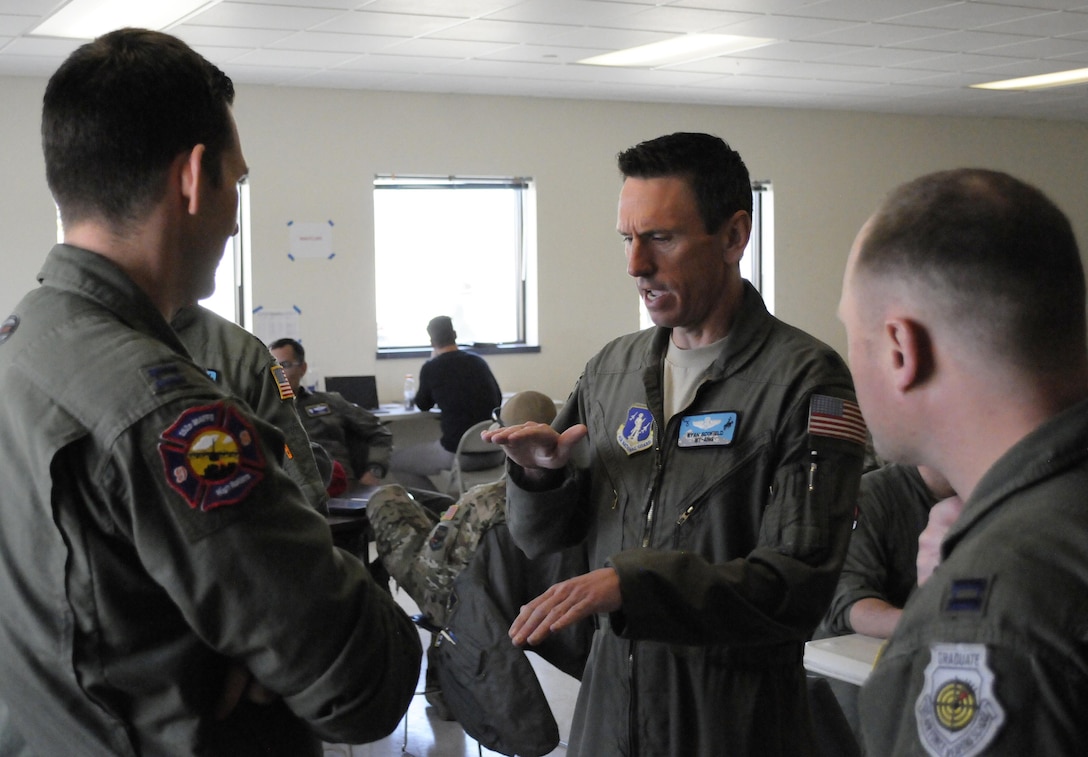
[[166, 587]]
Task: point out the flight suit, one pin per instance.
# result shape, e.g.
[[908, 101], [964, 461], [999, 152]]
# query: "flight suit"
[[152, 548]]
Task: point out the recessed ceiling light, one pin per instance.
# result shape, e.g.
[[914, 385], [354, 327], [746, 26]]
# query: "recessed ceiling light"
[[685, 49], [87, 19], [1042, 81]]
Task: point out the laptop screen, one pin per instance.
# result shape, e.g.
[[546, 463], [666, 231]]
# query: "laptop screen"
[[362, 390]]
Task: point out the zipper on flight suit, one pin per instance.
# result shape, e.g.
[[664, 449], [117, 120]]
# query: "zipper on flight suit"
[[648, 526]]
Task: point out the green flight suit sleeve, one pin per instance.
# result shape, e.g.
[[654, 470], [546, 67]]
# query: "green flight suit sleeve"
[[254, 573]]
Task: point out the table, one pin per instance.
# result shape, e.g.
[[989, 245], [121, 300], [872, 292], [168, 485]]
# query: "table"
[[410, 427]]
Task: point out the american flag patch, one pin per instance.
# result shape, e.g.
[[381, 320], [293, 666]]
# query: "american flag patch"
[[286, 392], [836, 418]]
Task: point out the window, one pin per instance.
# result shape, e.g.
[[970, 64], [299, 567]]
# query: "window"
[[757, 265], [458, 246], [232, 298]]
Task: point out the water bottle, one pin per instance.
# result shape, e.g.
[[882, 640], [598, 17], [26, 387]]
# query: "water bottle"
[[409, 392]]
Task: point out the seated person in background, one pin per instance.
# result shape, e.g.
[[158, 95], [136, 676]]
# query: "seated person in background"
[[240, 363], [880, 570], [461, 384], [425, 556], [352, 436]]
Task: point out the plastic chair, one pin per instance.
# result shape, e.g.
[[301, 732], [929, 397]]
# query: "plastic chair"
[[471, 444]]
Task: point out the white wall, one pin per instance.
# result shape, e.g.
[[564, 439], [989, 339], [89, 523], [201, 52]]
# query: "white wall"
[[313, 155]]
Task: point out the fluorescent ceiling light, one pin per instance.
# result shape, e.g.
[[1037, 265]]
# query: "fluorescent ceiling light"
[[685, 49], [1042, 81], [87, 19]]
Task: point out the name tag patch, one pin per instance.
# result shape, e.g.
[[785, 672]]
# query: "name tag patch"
[[707, 430], [637, 432], [957, 711], [317, 410]]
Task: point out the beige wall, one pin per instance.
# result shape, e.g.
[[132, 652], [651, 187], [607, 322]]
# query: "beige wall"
[[313, 154]]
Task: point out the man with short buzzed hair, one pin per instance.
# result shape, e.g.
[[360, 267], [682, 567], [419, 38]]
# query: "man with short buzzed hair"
[[964, 307]]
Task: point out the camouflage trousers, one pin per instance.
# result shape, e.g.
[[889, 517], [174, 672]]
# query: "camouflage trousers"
[[424, 556]]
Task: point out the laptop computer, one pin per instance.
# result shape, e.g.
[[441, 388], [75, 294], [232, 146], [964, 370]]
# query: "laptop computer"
[[362, 390]]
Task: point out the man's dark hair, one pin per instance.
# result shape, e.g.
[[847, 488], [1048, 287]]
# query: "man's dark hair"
[[279, 344], [715, 171], [117, 113], [440, 330], [1001, 256]]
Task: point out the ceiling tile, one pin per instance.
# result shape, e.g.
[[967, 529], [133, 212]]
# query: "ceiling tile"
[[264, 16]]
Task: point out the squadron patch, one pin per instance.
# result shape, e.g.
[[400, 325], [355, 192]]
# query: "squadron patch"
[[7, 328], [637, 432], [211, 456], [707, 430], [957, 712], [284, 386]]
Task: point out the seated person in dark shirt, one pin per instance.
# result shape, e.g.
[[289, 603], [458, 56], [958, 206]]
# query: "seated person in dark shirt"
[[352, 436], [461, 384]]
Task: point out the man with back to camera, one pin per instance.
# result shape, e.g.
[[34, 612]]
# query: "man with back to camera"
[[166, 588], [723, 451], [964, 306], [352, 436], [461, 384]]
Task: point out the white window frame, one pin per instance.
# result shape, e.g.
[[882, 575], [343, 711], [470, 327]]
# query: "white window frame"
[[523, 283]]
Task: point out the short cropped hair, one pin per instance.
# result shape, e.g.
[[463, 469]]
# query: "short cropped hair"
[[998, 255], [440, 330], [279, 344], [117, 113], [715, 171]]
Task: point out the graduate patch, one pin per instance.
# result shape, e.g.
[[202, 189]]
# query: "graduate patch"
[[707, 430], [957, 712], [637, 432], [317, 410], [211, 456], [836, 418], [284, 386], [7, 328]]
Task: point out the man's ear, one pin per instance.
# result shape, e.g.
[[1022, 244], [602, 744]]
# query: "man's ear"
[[911, 353], [191, 177], [734, 234]]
